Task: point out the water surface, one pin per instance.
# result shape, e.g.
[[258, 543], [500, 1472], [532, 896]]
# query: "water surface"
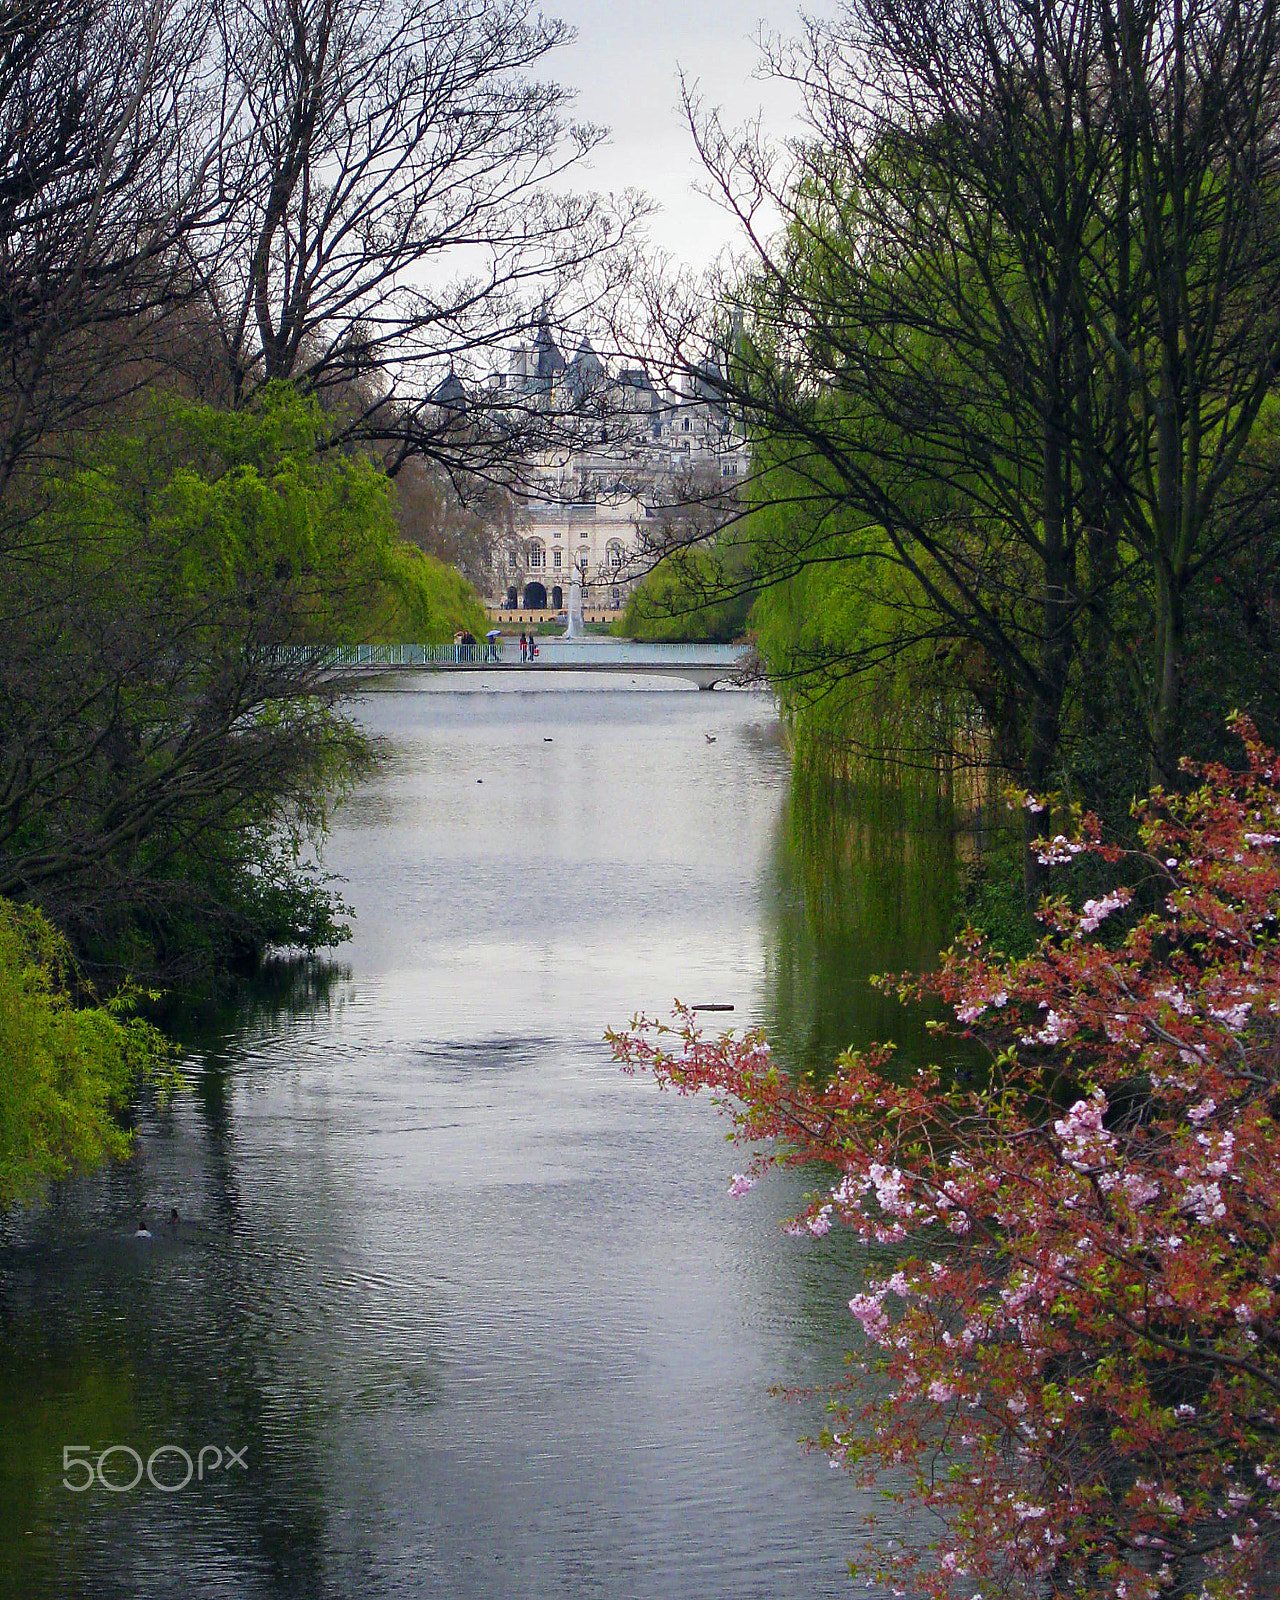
[[477, 1308]]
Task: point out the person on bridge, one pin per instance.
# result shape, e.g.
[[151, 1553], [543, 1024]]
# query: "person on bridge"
[[524, 649]]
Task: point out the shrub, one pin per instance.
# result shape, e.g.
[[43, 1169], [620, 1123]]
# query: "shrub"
[[1077, 1352], [67, 1063]]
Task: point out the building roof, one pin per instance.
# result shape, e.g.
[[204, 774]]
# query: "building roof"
[[548, 362], [449, 392]]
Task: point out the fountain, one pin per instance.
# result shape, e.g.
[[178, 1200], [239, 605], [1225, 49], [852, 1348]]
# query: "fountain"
[[575, 628]]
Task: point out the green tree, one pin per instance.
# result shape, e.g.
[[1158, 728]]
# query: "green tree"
[[1022, 319], [687, 596], [171, 742], [68, 1064]]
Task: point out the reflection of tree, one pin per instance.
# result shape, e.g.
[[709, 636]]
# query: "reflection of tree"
[[233, 1329], [46, 1402], [140, 1352], [283, 987], [864, 882], [283, 992]]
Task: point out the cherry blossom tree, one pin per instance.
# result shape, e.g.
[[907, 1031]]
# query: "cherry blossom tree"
[[1071, 1345]]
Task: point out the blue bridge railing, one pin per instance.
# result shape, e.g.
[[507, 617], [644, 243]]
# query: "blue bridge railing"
[[712, 662], [415, 655]]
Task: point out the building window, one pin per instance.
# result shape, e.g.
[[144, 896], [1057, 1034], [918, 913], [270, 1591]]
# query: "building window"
[[537, 557], [615, 554], [555, 559]]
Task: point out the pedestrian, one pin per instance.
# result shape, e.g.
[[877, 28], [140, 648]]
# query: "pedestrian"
[[524, 648]]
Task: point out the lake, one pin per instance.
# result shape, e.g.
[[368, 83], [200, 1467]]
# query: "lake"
[[452, 1306]]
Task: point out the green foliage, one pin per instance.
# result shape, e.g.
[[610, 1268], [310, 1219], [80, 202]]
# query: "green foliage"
[[207, 507], [993, 902], [997, 425], [690, 596], [171, 743], [67, 1067], [866, 672]]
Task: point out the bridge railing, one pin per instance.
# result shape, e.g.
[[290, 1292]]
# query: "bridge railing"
[[638, 653], [555, 651], [414, 655]]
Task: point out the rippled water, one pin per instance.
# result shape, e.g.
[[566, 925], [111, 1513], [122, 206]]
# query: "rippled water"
[[477, 1308]]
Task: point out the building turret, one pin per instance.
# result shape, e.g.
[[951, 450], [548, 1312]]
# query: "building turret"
[[547, 362], [585, 372], [449, 393]]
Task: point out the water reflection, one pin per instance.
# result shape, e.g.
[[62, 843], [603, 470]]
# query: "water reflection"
[[284, 990], [863, 882], [479, 1308]]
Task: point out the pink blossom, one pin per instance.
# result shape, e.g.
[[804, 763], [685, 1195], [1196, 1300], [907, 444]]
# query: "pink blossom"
[[1096, 911], [1059, 850], [741, 1184], [1139, 1190], [1071, 1253], [1205, 1199], [871, 1314], [1221, 1153], [1175, 998], [1056, 1029]]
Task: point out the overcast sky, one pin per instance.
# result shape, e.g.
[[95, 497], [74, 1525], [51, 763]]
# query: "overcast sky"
[[625, 66]]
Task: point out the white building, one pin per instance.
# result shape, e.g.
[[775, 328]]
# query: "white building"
[[593, 505]]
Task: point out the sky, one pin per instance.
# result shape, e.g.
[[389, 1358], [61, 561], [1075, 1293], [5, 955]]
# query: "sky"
[[624, 66]]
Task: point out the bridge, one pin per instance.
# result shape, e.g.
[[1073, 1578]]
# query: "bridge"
[[703, 664]]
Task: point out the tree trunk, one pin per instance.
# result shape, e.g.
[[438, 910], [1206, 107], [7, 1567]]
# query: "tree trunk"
[[1166, 732]]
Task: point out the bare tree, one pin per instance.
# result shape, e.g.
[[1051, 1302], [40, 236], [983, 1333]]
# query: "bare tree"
[[466, 528], [102, 177], [398, 173], [1016, 328], [169, 207]]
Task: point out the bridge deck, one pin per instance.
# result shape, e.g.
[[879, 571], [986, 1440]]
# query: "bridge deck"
[[703, 664]]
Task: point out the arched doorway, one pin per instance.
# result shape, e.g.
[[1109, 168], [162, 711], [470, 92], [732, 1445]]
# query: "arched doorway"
[[535, 597], [557, 598]]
